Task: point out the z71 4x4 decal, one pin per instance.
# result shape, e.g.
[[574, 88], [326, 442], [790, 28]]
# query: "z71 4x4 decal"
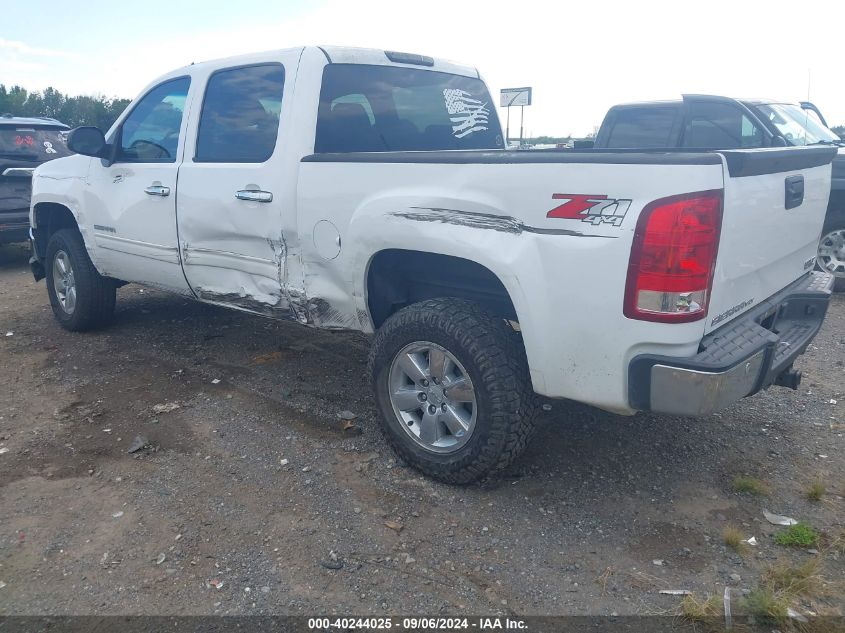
[[593, 208]]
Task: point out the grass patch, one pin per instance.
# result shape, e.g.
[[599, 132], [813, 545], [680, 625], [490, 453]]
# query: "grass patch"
[[798, 535], [838, 544], [732, 536], [816, 491], [767, 606], [695, 610], [785, 584], [794, 580], [751, 485]]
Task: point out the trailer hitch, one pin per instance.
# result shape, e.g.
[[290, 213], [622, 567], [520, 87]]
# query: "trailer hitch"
[[789, 378]]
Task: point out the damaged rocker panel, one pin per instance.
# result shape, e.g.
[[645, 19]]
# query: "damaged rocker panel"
[[285, 301], [278, 310], [476, 220], [323, 314], [318, 312]]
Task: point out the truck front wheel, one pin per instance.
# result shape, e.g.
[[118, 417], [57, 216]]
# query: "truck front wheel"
[[452, 386], [81, 298]]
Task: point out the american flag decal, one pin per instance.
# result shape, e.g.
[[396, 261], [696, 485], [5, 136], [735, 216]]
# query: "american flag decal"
[[468, 115]]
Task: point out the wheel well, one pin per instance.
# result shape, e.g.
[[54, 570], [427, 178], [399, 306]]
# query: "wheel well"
[[49, 218], [397, 278]]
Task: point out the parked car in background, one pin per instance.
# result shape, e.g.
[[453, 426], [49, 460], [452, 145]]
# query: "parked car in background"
[[377, 196], [710, 122], [25, 143]]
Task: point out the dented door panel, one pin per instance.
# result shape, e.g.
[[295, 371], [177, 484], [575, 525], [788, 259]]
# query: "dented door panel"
[[233, 205], [230, 248]]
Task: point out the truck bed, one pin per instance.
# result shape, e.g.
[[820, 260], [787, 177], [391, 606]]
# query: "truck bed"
[[566, 276]]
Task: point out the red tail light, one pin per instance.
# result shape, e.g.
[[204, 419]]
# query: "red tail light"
[[672, 259]]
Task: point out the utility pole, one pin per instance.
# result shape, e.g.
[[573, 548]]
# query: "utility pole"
[[521, 119], [508, 129], [515, 97]]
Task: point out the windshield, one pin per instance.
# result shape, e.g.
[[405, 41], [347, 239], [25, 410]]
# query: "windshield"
[[32, 144], [795, 124]]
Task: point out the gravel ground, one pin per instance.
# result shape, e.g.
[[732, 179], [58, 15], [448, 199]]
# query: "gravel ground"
[[249, 497]]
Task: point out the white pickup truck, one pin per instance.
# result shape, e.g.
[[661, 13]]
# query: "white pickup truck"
[[368, 190]]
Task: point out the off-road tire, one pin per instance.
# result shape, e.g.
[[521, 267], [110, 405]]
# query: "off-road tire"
[[95, 294], [494, 357]]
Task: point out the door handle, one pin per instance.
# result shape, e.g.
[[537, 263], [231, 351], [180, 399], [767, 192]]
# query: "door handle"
[[253, 195], [157, 190], [794, 191]]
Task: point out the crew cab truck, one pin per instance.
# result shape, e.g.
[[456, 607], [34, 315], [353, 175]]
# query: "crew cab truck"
[[713, 122], [369, 190]]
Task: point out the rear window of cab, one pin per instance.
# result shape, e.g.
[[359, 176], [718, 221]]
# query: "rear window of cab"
[[366, 108]]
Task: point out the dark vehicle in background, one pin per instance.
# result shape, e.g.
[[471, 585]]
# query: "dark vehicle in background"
[[710, 122], [25, 143]]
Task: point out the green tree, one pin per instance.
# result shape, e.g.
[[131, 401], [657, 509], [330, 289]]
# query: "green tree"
[[548, 140], [839, 130], [14, 100], [52, 101], [71, 110]]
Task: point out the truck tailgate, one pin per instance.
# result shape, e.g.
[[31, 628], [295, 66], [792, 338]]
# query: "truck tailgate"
[[774, 207]]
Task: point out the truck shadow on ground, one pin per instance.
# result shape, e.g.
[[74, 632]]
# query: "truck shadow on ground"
[[323, 372], [14, 256], [297, 368]]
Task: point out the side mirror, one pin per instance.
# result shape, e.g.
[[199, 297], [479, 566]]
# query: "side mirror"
[[88, 141], [779, 141], [583, 144]]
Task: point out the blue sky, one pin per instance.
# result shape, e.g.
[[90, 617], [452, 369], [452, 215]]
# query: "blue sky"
[[580, 57]]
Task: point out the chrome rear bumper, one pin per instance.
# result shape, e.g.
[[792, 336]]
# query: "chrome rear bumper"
[[750, 353]]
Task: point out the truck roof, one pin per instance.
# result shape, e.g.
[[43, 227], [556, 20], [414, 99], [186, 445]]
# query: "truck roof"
[[344, 55], [638, 104], [40, 121], [670, 102]]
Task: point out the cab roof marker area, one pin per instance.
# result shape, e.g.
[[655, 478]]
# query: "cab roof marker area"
[[409, 58]]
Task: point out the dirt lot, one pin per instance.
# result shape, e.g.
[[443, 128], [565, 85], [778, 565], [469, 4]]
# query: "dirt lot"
[[250, 492]]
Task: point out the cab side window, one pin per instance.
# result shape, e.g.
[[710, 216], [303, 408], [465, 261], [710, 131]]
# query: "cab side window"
[[239, 122], [652, 126], [150, 134], [720, 126]]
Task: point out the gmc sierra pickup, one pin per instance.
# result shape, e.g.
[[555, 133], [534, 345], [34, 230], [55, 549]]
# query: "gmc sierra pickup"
[[368, 190], [711, 122]]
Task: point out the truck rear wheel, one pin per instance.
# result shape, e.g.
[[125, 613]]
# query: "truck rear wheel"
[[831, 253], [452, 386], [81, 298]]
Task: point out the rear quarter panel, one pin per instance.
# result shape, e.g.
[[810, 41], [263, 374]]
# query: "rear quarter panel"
[[565, 277]]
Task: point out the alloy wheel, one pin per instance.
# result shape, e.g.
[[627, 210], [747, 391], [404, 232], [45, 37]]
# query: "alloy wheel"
[[432, 396]]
